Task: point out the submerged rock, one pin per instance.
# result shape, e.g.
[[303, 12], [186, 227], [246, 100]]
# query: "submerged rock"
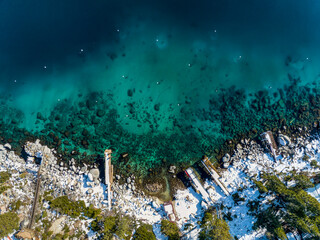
[[101, 113]]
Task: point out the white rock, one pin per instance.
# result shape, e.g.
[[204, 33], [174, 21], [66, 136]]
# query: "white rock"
[[8, 146], [95, 173], [90, 177], [226, 158], [226, 164]]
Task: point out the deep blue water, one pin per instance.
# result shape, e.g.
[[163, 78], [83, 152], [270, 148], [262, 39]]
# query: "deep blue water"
[[173, 56], [34, 33]]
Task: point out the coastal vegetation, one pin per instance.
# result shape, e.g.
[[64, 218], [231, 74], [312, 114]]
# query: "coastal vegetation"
[[291, 210], [73, 208], [144, 232], [9, 221], [4, 176], [170, 229], [117, 224], [214, 228]]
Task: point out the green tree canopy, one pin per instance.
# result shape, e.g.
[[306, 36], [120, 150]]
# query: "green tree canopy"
[[144, 232], [170, 229], [73, 208], [213, 228], [292, 209], [8, 223]]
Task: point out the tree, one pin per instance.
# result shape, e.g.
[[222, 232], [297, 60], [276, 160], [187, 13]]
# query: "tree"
[[8, 223], [270, 220], [302, 182], [122, 226], [261, 187], [144, 232], [213, 228], [170, 229], [293, 209], [110, 224], [73, 208]]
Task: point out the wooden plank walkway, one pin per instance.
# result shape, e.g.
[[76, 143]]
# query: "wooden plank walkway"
[[211, 170], [36, 198]]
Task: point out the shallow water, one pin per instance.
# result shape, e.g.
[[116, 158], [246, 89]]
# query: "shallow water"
[[153, 68]]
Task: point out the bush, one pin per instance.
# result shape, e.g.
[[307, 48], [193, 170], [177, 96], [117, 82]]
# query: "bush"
[[91, 212], [8, 222], [4, 176], [110, 226], [314, 164], [3, 189], [122, 226], [73, 208], [305, 158], [144, 232], [213, 228], [65, 206], [23, 175], [170, 229], [16, 205]]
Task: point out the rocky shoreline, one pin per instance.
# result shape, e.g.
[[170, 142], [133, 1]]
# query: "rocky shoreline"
[[297, 151]]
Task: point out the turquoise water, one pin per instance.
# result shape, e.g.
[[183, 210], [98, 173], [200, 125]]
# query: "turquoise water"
[[167, 80]]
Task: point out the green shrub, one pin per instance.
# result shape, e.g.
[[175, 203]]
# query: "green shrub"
[[73, 208], [8, 222], [314, 164], [92, 212], [16, 205], [122, 226], [170, 229], [125, 227], [95, 225], [144, 232], [4, 176], [213, 228], [47, 196], [3, 189], [46, 235], [110, 226], [305, 158], [44, 214], [23, 175]]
